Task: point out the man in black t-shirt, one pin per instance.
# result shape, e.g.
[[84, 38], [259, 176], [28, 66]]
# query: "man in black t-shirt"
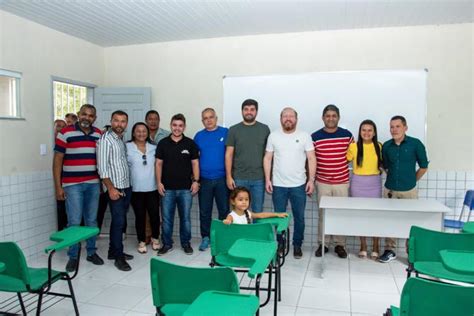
[[177, 179]]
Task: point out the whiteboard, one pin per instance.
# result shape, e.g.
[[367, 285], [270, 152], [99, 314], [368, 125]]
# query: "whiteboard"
[[374, 94]]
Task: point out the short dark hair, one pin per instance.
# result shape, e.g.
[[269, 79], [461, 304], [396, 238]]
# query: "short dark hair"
[[87, 106], [119, 112], [178, 117], [135, 127], [331, 107], [152, 112], [399, 117], [250, 102]]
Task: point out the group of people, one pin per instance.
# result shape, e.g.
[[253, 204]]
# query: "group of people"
[[159, 171]]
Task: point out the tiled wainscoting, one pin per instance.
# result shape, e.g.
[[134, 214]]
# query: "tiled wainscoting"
[[28, 207]]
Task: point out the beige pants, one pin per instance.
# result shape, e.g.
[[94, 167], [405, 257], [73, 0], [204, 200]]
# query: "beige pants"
[[391, 243], [324, 189]]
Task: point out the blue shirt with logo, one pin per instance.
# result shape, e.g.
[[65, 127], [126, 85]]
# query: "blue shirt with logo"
[[211, 146]]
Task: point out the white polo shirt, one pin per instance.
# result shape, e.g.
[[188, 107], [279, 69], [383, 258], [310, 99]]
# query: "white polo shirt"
[[289, 157]]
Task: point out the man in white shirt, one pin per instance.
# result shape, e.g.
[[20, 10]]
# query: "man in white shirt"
[[289, 149]]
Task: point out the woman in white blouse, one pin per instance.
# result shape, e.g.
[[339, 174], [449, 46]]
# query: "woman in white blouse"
[[145, 197]]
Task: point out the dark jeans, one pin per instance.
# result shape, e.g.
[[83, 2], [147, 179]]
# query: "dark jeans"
[[257, 192], [210, 190], [142, 203], [297, 198], [62, 216], [118, 210], [183, 199], [103, 203]]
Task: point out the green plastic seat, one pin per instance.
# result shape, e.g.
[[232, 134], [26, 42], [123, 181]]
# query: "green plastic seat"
[[17, 277], [422, 297], [424, 248], [468, 228], [175, 287]]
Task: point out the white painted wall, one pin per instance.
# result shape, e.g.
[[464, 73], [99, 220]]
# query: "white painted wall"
[[186, 76], [39, 53]]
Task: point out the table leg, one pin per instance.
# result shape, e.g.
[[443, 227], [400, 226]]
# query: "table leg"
[[323, 213]]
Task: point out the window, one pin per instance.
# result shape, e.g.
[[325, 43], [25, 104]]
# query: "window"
[[69, 97], [9, 94]]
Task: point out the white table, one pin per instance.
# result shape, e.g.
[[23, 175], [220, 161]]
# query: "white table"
[[371, 217]]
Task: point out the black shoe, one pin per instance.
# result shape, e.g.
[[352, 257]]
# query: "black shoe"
[[319, 251], [341, 252], [297, 253], [388, 256], [71, 265], [188, 249], [122, 264], [164, 250], [95, 259], [281, 249], [125, 255]]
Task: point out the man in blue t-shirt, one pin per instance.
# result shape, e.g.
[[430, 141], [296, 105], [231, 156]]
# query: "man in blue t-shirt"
[[211, 143]]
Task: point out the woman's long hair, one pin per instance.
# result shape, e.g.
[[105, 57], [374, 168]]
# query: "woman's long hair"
[[360, 144]]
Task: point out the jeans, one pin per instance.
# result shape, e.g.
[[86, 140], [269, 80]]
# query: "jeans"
[[183, 199], [143, 203], [257, 192], [210, 190], [118, 210], [81, 202], [297, 198]]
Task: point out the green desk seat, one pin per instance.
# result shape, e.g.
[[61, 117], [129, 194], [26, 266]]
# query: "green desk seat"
[[260, 252], [422, 297], [458, 261], [215, 303], [18, 277], [175, 288], [223, 238], [281, 223], [468, 228], [424, 257]]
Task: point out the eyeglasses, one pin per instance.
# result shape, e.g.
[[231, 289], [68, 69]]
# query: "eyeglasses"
[[144, 160]]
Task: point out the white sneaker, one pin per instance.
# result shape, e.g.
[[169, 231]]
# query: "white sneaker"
[[142, 247], [155, 244]]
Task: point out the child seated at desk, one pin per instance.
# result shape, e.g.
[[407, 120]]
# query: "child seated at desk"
[[240, 201]]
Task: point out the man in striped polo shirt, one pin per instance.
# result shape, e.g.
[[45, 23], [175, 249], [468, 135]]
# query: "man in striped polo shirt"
[[76, 179], [332, 172]]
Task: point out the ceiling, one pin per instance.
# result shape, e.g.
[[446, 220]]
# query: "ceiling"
[[126, 22]]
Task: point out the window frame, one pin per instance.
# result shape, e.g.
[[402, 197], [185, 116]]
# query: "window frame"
[[18, 76], [89, 86]]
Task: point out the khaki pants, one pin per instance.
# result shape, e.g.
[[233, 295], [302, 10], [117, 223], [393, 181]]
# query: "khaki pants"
[[324, 189], [391, 243]]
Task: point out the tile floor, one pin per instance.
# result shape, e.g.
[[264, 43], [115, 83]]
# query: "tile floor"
[[350, 287]]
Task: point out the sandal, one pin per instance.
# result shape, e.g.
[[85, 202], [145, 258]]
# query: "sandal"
[[141, 247], [374, 255], [362, 254]]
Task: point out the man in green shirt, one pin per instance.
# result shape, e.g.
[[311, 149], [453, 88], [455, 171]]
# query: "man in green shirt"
[[400, 155], [245, 148]]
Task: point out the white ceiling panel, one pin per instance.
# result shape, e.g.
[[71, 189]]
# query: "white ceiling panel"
[[126, 22]]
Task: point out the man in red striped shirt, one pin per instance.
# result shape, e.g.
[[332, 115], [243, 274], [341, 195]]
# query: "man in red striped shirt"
[[332, 172], [76, 179]]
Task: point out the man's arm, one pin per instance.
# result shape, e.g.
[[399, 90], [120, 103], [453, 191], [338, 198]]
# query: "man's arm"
[[229, 156], [57, 168], [420, 173], [267, 169], [103, 149], [310, 155], [158, 172], [195, 184]]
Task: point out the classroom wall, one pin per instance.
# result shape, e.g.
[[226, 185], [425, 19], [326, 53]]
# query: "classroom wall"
[[39, 53], [186, 76], [27, 204]]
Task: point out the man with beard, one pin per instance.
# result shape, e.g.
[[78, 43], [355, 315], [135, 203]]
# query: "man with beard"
[[332, 172], [289, 149], [113, 170], [76, 179], [244, 154]]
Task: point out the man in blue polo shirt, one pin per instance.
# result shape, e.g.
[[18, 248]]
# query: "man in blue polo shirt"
[[400, 155], [211, 144]]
